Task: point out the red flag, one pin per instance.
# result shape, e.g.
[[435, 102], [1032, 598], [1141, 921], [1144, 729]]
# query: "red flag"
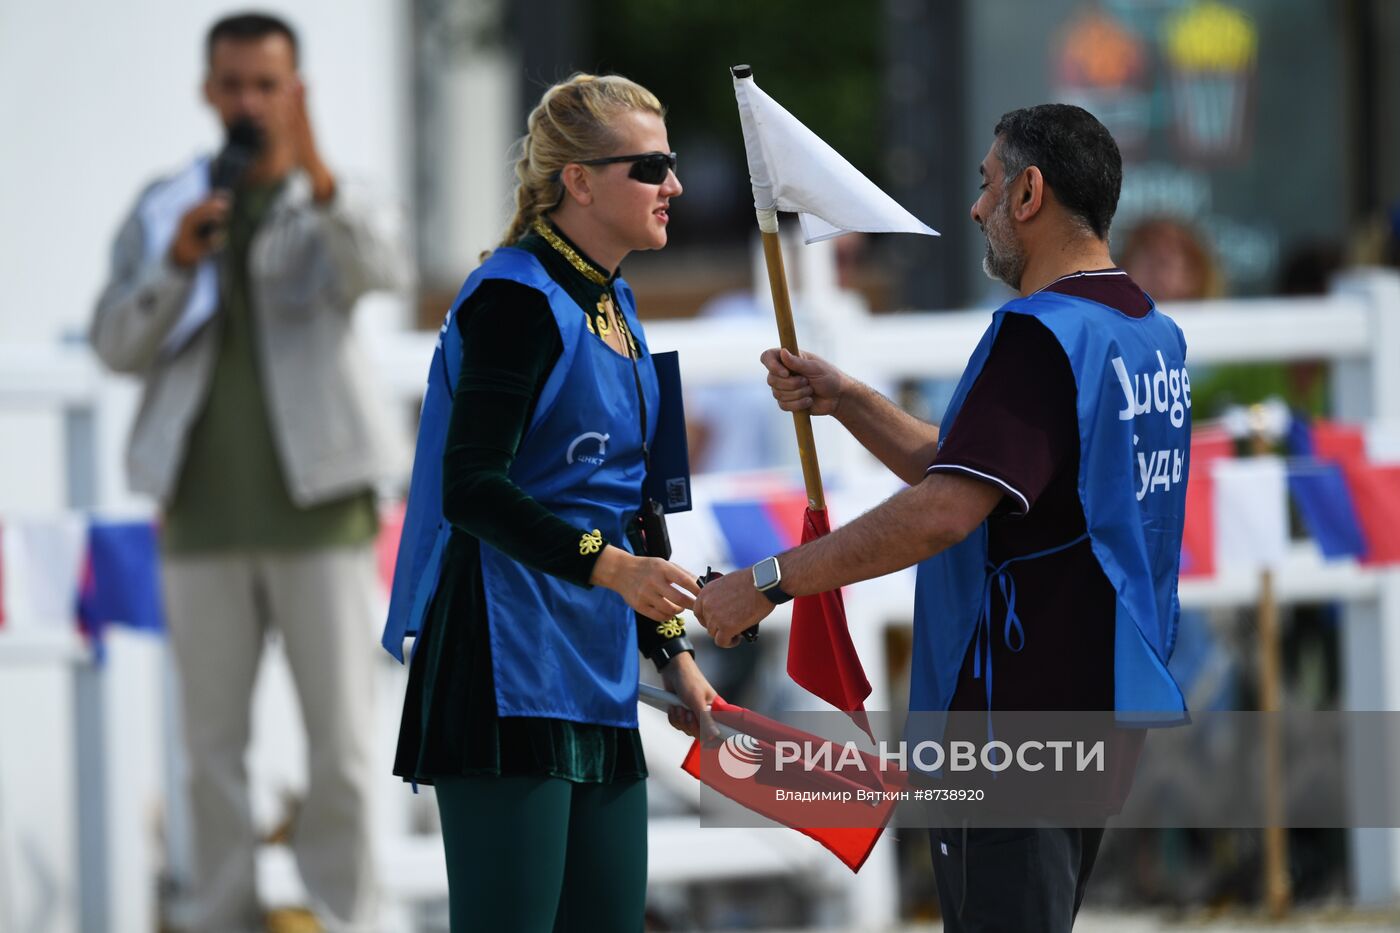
[[1375, 490], [1198, 537], [857, 824], [821, 657], [1341, 442]]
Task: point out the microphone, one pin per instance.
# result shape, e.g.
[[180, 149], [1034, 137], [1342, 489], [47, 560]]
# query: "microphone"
[[241, 149]]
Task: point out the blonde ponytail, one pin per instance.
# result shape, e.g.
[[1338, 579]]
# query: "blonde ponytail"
[[572, 122]]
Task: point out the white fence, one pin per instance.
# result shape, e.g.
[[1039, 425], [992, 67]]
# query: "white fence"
[[1356, 328]]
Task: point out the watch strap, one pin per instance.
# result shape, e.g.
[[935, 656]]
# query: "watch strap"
[[776, 595], [774, 591]]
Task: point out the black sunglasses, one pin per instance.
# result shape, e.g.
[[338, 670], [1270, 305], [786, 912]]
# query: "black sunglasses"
[[649, 168]]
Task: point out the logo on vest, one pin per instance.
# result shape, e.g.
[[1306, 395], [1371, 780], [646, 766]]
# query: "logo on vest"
[[594, 458]]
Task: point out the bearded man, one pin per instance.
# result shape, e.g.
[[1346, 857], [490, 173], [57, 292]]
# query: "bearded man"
[[1045, 511]]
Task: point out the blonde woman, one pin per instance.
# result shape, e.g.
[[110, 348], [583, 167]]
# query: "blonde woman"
[[521, 567]]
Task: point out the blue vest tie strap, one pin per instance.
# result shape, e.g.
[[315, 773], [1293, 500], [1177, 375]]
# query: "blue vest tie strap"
[[1013, 633]]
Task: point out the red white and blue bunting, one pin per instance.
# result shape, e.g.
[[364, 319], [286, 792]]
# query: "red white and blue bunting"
[[69, 570]]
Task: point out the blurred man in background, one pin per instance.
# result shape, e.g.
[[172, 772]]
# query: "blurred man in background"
[[230, 295]]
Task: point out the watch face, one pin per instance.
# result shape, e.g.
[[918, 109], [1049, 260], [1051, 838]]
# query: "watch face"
[[765, 573]]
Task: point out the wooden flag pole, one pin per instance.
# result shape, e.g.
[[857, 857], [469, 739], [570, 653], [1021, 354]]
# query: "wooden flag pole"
[[787, 336], [1278, 895], [1277, 890], [787, 333]]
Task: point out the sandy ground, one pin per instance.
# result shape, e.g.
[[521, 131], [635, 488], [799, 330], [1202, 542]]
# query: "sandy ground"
[[1303, 922]]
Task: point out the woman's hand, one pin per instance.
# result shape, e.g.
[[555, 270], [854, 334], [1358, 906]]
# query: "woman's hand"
[[804, 383], [683, 678], [648, 584]]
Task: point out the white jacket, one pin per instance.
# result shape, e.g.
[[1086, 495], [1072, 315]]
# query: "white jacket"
[[308, 264]]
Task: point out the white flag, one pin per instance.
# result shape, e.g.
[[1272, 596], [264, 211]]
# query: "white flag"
[[1251, 512], [791, 169], [44, 560]]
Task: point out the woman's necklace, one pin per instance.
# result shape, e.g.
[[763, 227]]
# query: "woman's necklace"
[[584, 267], [607, 318]]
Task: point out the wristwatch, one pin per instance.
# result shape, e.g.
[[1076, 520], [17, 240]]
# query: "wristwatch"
[[669, 650], [766, 577]]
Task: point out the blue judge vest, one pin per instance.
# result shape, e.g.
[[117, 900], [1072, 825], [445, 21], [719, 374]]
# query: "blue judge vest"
[[1134, 413], [558, 650]]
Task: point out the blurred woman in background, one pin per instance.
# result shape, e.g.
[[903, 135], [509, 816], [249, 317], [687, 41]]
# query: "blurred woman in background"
[[1171, 262]]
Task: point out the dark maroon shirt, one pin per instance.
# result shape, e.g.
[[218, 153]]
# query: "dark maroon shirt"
[[1018, 430]]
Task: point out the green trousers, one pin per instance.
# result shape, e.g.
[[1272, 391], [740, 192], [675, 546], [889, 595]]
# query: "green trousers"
[[544, 855]]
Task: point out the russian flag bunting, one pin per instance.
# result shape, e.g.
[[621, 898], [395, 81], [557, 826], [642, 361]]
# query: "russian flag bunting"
[[1237, 508], [68, 570]]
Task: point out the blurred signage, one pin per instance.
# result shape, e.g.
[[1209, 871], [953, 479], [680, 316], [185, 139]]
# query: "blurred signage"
[[1211, 50], [1102, 66]]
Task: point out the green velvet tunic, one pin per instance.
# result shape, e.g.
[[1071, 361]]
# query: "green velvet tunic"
[[450, 725]]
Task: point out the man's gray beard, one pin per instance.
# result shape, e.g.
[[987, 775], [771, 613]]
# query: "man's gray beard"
[[1007, 267]]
